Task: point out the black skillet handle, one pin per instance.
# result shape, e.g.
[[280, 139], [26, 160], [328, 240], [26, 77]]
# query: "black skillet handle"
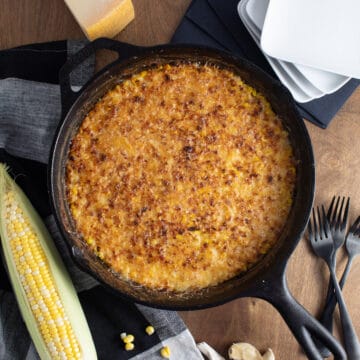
[[124, 50], [302, 324]]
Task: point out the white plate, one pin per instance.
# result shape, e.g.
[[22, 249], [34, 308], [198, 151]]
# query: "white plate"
[[324, 34], [256, 11], [325, 81], [298, 94]]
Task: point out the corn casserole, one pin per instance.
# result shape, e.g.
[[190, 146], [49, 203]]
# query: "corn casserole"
[[181, 177]]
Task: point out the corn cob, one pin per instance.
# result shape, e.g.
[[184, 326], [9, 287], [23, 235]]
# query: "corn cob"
[[45, 294]]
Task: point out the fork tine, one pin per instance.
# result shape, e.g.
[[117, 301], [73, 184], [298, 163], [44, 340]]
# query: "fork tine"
[[346, 214], [353, 227], [321, 229], [310, 230], [315, 225], [326, 225], [338, 220], [331, 208], [333, 219]]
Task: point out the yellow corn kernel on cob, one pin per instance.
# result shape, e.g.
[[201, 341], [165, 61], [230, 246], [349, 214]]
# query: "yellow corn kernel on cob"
[[45, 294]]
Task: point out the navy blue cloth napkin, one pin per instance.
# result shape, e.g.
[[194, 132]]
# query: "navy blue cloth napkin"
[[216, 23]]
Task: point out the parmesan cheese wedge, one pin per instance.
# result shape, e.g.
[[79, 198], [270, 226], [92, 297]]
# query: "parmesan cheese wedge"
[[101, 18]]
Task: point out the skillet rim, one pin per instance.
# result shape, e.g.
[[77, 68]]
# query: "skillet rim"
[[275, 270]]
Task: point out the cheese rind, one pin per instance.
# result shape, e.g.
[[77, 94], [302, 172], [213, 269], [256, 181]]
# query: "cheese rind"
[[103, 18]]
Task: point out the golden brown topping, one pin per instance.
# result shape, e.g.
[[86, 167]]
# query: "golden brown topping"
[[181, 177]]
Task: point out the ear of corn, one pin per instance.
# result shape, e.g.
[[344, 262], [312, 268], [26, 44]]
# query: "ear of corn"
[[46, 296]]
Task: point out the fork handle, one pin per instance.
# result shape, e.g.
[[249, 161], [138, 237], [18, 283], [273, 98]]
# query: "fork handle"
[[346, 272], [330, 291], [351, 340], [326, 317], [326, 320]]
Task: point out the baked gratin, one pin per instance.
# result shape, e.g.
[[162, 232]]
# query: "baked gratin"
[[180, 177]]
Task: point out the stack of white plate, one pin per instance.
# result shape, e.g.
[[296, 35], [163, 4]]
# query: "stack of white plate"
[[313, 46]]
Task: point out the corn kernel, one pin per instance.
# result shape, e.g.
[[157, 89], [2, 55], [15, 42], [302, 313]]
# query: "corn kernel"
[[165, 352], [128, 339], [149, 330], [129, 346], [123, 335], [38, 283]]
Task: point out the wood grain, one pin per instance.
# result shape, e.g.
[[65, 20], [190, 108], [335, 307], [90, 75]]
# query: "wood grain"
[[337, 157]]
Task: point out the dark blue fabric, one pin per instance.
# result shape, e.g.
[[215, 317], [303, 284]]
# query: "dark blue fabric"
[[38, 62], [190, 33], [107, 317], [217, 24], [211, 23]]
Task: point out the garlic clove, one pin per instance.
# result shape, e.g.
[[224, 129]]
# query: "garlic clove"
[[244, 351], [209, 352], [268, 355]]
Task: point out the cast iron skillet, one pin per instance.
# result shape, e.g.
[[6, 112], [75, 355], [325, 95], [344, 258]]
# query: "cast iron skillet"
[[267, 279]]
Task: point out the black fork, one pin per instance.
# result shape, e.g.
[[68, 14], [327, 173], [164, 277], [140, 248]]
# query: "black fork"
[[337, 215], [322, 243]]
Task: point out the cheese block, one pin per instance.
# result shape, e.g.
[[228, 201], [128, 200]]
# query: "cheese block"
[[101, 18]]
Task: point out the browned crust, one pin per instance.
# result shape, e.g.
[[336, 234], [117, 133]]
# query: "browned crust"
[[181, 177]]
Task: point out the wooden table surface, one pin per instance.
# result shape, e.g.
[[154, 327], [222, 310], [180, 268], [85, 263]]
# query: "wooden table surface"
[[337, 153]]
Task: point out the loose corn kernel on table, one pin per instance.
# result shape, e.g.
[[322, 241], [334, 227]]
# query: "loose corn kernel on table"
[[337, 169]]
